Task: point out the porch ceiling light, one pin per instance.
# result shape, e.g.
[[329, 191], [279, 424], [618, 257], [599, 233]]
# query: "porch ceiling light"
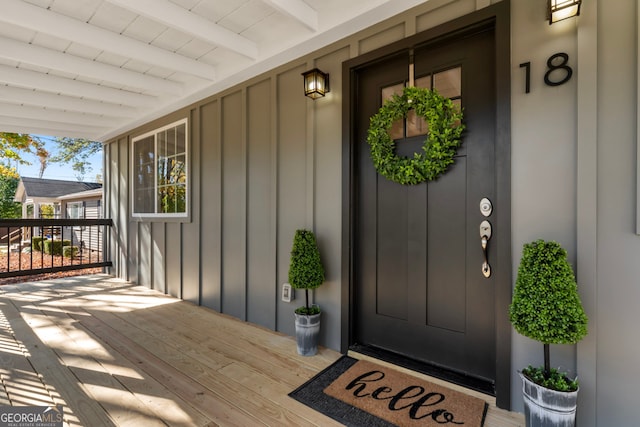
[[558, 10], [316, 83]]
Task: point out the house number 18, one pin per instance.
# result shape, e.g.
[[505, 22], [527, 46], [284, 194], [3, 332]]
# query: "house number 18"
[[556, 65]]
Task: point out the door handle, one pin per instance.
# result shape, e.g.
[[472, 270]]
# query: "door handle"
[[485, 236]]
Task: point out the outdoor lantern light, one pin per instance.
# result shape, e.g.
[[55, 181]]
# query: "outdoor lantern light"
[[563, 9], [316, 83]]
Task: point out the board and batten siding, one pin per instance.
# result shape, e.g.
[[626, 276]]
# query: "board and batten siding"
[[256, 174], [264, 160]]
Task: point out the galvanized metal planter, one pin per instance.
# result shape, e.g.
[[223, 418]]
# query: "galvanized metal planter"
[[307, 332], [548, 408]]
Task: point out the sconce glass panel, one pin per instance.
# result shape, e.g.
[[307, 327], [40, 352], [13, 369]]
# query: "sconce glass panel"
[[563, 9], [316, 83]]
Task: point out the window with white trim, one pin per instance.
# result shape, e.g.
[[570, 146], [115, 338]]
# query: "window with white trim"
[[159, 178], [75, 210]]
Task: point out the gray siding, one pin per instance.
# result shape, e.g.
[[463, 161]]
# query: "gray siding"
[[190, 232], [293, 199], [610, 356], [210, 206], [264, 161], [234, 262], [163, 281], [261, 203]]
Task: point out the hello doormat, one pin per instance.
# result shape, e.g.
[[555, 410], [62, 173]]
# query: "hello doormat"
[[360, 393]]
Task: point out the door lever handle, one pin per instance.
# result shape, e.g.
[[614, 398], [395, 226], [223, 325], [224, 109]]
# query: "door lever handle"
[[485, 235]]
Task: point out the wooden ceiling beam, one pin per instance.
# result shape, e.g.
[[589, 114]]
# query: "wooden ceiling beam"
[[298, 10], [49, 58], [48, 22], [185, 21]]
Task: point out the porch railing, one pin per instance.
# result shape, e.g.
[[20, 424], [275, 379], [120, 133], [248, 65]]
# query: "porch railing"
[[35, 246]]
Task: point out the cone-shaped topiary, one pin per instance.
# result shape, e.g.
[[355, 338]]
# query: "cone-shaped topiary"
[[305, 270], [546, 306]]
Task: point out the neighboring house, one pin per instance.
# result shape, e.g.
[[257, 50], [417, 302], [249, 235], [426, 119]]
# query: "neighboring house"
[[53, 198], [206, 191]]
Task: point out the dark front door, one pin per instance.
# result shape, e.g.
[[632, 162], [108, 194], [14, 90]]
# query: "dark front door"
[[419, 288]]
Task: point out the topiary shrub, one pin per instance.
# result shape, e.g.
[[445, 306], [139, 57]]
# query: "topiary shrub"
[[54, 247], [70, 251], [36, 243], [305, 268], [546, 306]]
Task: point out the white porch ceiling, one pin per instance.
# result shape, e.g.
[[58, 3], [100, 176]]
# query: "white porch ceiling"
[[97, 68]]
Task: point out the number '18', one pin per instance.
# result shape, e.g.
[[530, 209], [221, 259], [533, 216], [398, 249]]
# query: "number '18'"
[[558, 71]]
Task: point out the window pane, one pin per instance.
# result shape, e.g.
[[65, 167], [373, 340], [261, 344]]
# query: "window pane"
[[172, 199], [178, 173], [424, 82], [159, 172], [397, 129], [166, 202], [449, 83], [171, 141], [75, 211], [162, 143], [417, 125], [144, 183], [181, 142]]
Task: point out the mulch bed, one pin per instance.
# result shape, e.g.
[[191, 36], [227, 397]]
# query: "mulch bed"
[[24, 261]]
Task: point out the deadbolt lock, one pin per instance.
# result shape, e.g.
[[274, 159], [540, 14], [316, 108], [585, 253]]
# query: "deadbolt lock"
[[486, 208]]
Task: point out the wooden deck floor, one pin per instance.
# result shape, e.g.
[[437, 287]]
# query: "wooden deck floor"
[[116, 354]]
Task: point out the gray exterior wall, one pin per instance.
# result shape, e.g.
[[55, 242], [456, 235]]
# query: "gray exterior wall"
[[608, 246], [265, 161]]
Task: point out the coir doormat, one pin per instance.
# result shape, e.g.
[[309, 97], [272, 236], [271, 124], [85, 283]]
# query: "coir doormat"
[[360, 393]]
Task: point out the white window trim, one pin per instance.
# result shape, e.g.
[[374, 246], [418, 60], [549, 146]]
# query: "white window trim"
[[168, 216], [81, 206]]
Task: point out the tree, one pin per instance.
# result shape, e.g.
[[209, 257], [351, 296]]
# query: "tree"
[[546, 305], [77, 152], [43, 156], [8, 208], [14, 146], [305, 268]]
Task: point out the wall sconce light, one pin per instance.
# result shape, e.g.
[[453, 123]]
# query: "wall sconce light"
[[316, 83], [558, 10]]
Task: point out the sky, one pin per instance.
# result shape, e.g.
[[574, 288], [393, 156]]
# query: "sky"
[[58, 170]]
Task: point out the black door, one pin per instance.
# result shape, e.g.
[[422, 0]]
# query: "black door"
[[419, 288]]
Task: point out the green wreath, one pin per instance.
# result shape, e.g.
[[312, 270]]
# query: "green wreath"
[[440, 146]]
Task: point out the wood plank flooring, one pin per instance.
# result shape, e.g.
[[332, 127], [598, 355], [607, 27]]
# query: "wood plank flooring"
[[116, 354]]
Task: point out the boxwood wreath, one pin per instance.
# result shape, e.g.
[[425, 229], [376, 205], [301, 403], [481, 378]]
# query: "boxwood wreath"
[[439, 148]]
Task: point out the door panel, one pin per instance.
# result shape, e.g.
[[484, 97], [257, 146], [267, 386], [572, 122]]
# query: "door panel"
[[418, 285]]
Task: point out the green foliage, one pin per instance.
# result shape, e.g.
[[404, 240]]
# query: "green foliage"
[[13, 148], [70, 251], [55, 246], [305, 269], [37, 243], [554, 380], [8, 208], [77, 152], [546, 306], [308, 311], [46, 212], [443, 139]]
